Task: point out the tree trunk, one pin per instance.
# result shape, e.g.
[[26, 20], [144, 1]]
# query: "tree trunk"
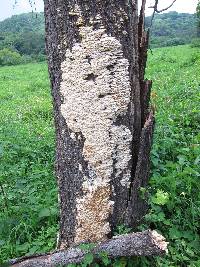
[[96, 56]]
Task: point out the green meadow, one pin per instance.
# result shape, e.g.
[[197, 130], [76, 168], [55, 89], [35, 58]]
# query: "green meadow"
[[28, 191]]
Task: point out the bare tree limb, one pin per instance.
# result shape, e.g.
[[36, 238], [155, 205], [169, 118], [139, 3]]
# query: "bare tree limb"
[[32, 4], [155, 9], [147, 243]]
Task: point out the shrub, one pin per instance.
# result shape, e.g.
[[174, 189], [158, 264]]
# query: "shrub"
[[195, 42], [27, 59], [9, 57], [39, 57]]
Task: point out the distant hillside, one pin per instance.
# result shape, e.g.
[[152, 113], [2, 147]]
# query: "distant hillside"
[[25, 33], [23, 23], [172, 28]]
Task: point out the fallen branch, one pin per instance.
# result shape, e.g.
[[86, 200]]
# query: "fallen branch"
[[147, 243]]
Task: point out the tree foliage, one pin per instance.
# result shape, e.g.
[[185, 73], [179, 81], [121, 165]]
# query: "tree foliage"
[[24, 34], [172, 28], [8, 57]]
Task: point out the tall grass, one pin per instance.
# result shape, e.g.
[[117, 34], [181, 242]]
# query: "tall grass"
[[28, 192]]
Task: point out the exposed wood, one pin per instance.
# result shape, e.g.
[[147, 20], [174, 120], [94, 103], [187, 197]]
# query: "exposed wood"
[[147, 243], [145, 98], [145, 85], [137, 204], [138, 201]]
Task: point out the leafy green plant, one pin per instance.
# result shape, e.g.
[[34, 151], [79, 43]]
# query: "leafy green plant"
[[8, 57], [195, 42], [122, 229], [174, 185]]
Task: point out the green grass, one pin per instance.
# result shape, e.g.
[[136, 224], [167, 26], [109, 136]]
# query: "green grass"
[[175, 181], [28, 201], [28, 194]]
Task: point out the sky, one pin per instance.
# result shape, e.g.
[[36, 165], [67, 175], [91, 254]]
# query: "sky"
[[8, 8]]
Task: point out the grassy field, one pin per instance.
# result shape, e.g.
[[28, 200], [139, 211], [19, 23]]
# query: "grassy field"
[[28, 194]]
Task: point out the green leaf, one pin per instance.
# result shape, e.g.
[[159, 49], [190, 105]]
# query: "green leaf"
[[174, 233], [87, 247], [181, 159], [122, 229], [105, 258], [5, 264], [121, 262], [142, 192], [23, 247], [1, 151], [33, 250], [88, 259], [2, 242], [197, 160], [44, 213], [160, 198]]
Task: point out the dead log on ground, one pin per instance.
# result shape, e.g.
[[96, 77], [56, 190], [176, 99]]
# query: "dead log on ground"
[[147, 243]]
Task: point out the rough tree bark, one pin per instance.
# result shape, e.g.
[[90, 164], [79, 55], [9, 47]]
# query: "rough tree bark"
[[147, 243], [96, 56]]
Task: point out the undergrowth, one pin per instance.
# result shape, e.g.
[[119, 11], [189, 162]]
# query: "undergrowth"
[[28, 191]]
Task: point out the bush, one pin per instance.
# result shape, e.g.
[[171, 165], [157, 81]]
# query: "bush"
[[39, 57], [195, 42], [9, 57], [27, 59]]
